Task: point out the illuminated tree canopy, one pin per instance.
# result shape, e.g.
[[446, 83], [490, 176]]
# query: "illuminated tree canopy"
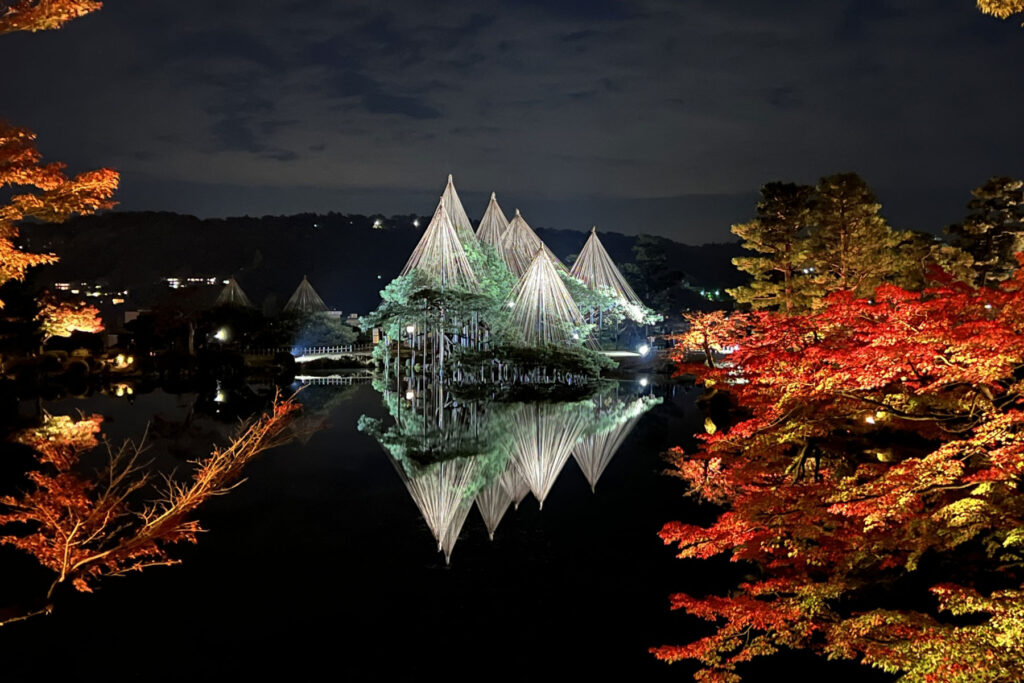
[[1002, 9], [62, 319], [43, 15], [870, 481], [42, 192]]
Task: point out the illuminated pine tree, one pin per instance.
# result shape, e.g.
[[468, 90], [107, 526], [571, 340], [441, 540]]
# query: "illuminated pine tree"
[[852, 247], [993, 230], [778, 235]]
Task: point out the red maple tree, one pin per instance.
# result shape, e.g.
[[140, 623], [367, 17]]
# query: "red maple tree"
[[873, 489]]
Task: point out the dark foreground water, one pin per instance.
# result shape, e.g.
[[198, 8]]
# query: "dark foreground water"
[[320, 567]]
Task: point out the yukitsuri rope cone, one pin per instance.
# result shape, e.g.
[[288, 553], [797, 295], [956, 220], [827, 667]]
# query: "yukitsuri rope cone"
[[493, 225], [232, 295], [520, 243], [494, 499], [542, 307], [543, 436], [440, 256], [595, 268], [305, 299], [593, 453], [457, 214], [440, 493]]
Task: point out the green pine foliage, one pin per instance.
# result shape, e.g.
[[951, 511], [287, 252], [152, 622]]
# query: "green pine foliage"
[[777, 235], [993, 230], [811, 242]]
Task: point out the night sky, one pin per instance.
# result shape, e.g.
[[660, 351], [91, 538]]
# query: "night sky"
[[643, 116]]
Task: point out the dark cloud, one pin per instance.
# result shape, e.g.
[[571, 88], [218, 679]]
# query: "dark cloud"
[[559, 105], [349, 84], [236, 134], [225, 43]]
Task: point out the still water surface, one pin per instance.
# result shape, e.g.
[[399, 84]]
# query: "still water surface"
[[322, 564]]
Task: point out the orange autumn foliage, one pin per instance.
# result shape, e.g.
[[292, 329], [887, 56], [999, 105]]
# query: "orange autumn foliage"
[[42, 192], [62, 319], [85, 526], [42, 15]]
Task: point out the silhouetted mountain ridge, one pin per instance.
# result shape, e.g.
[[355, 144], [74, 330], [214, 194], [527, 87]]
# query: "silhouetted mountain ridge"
[[346, 258]]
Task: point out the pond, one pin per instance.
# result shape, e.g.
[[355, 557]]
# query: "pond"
[[323, 563]]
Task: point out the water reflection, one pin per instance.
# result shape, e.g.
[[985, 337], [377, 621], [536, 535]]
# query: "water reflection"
[[452, 453]]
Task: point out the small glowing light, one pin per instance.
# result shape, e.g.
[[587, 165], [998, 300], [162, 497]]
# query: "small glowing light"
[[410, 395], [988, 307], [416, 222], [222, 334], [378, 277], [120, 390], [643, 349], [409, 329], [221, 397], [129, 390], [575, 335], [870, 419], [119, 359], [643, 382], [376, 224], [130, 359]]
